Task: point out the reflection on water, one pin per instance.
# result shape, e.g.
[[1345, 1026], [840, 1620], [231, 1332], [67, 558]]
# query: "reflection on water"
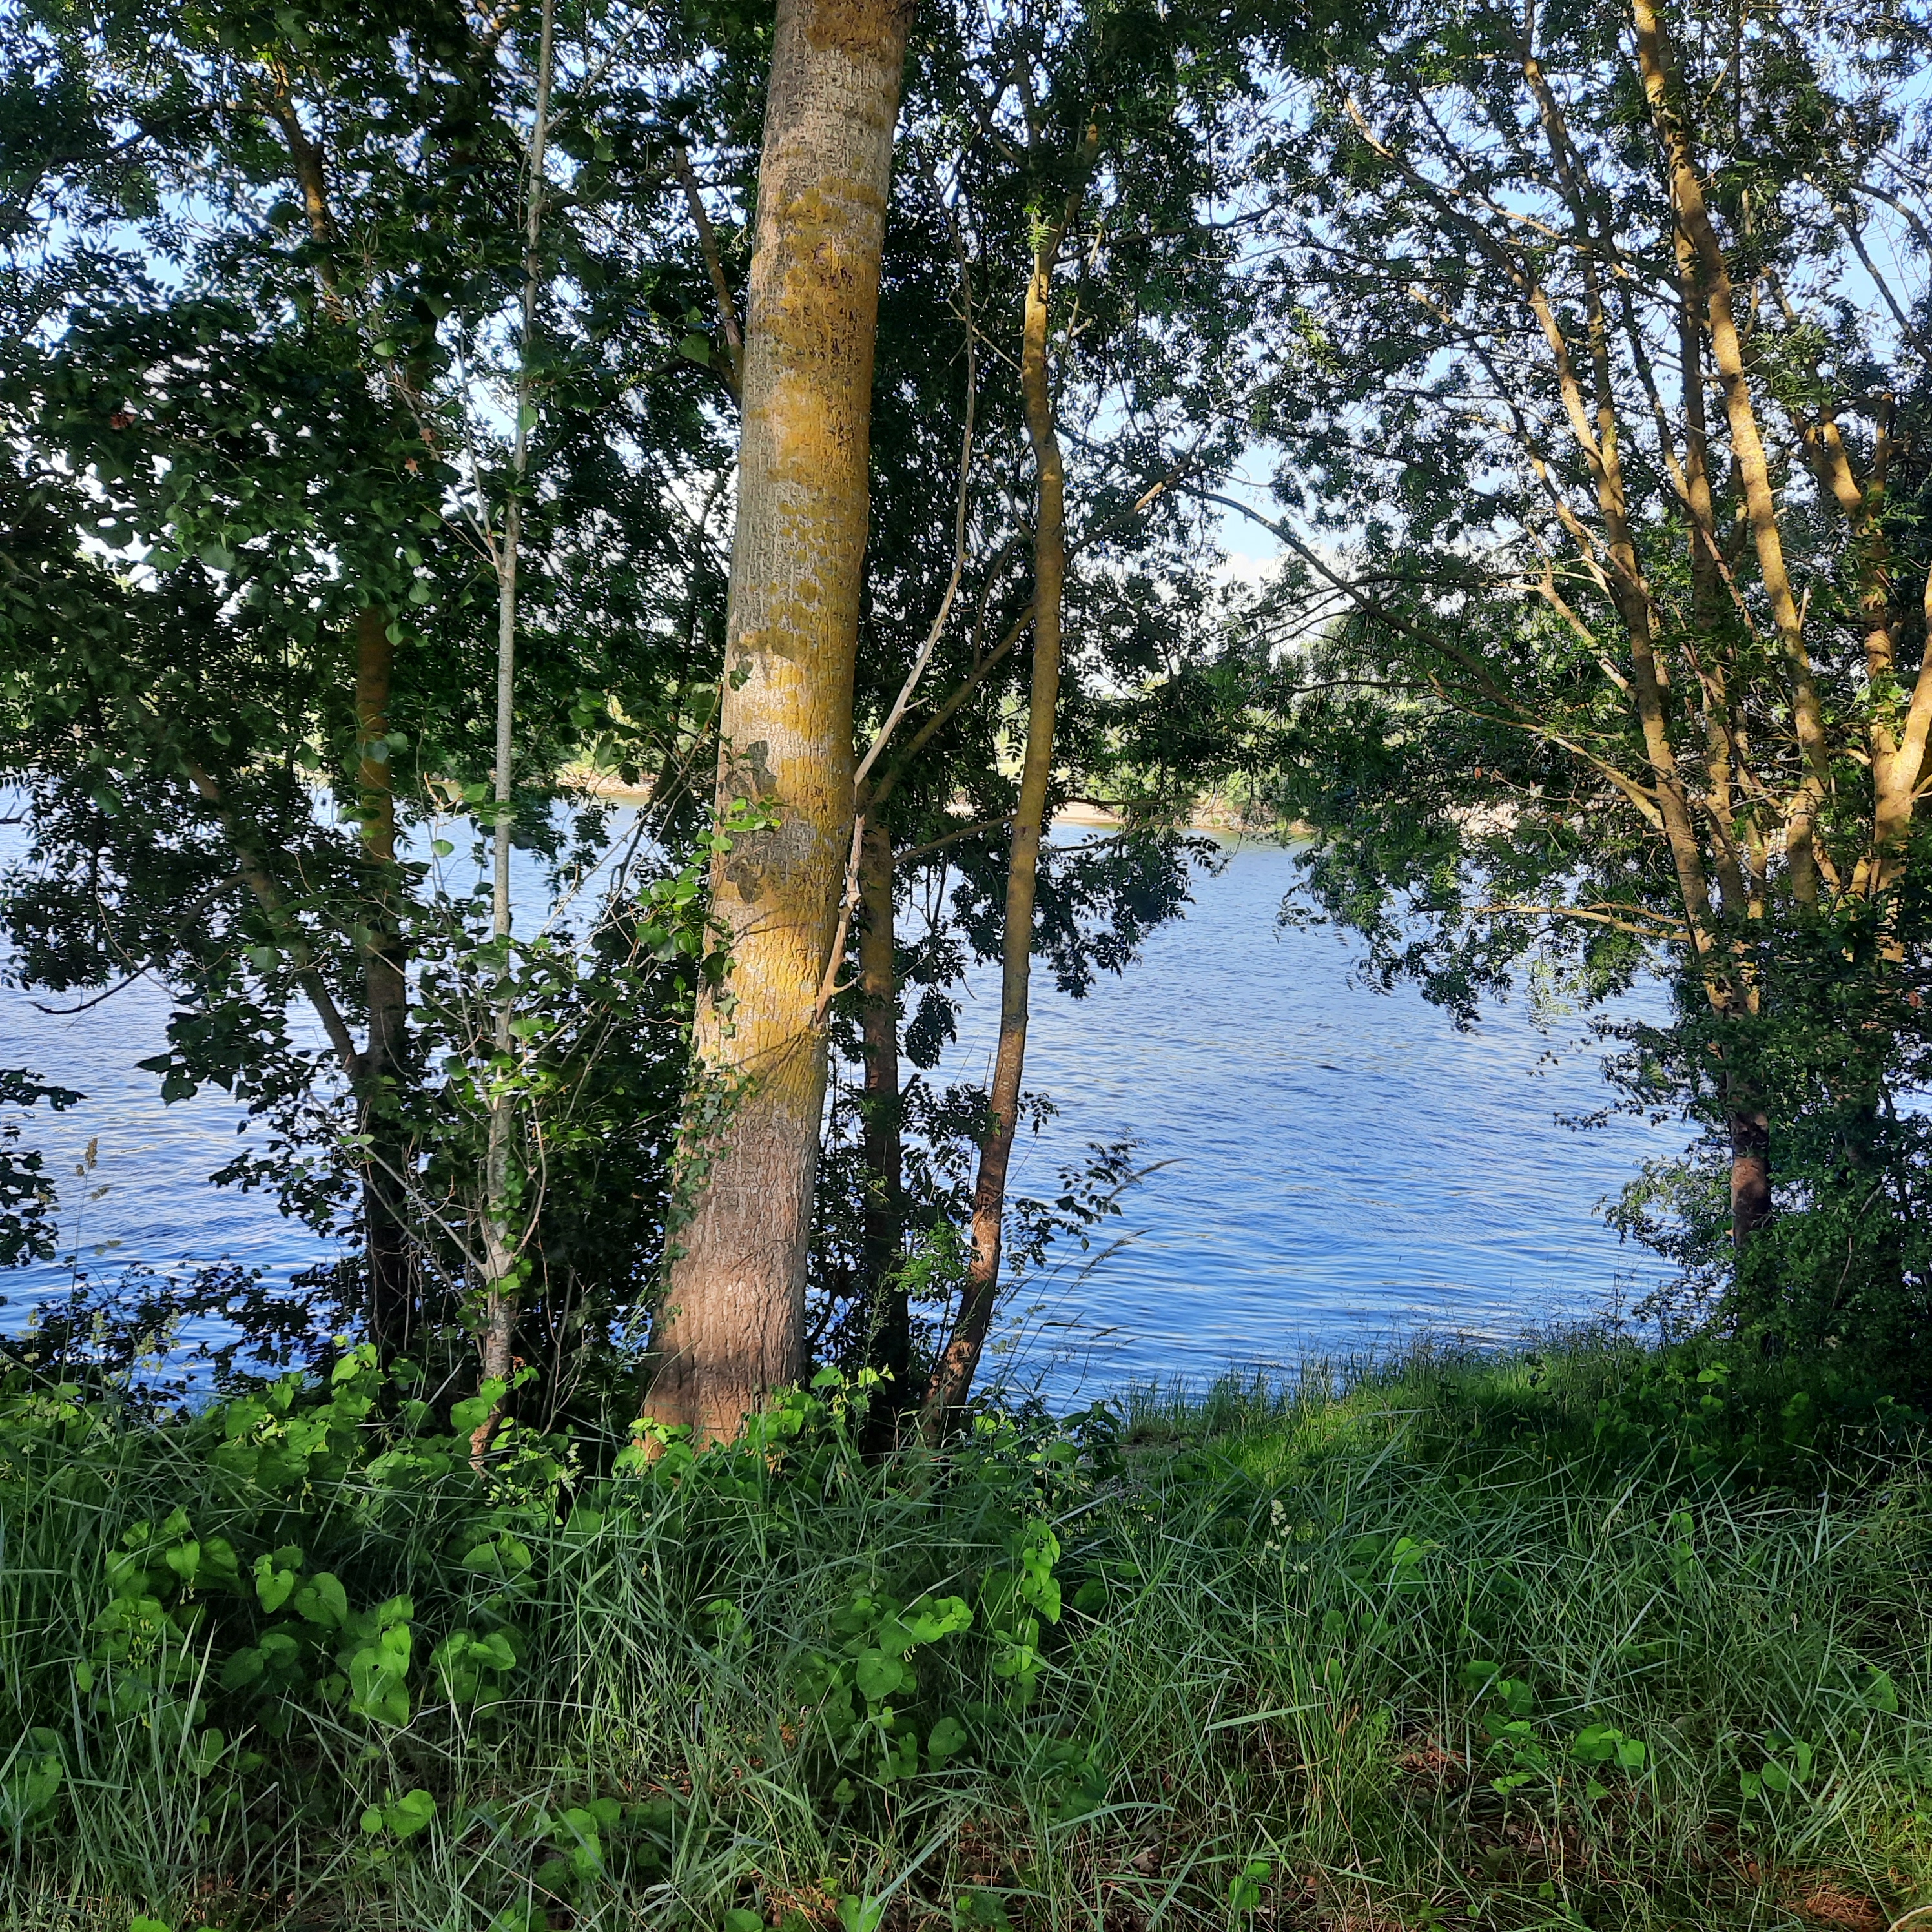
[[1341, 1166]]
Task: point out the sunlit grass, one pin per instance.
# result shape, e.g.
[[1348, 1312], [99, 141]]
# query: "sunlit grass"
[[1451, 1642]]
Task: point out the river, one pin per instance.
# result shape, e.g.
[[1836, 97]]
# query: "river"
[[1332, 1168]]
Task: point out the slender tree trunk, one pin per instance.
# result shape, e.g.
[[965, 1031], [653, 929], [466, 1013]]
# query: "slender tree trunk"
[[733, 1326], [1725, 984], [391, 1301], [502, 1252], [497, 1338], [887, 1315], [953, 1377], [1739, 889], [390, 1289]]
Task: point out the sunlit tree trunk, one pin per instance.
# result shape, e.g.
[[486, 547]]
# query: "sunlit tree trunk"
[[1715, 930], [1655, 62], [732, 1327]]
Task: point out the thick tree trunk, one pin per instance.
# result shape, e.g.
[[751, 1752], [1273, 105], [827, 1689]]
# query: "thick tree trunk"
[[732, 1328], [391, 1303], [953, 1377], [886, 1314]]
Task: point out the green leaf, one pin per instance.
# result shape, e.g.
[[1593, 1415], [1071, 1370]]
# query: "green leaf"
[[242, 1669], [1880, 1693], [947, 1740], [32, 1785], [506, 1555], [323, 1600], [1244, 1889], [410, 1814], [933, 1618], [466, 1417], [275, 1585], [878, 1676]]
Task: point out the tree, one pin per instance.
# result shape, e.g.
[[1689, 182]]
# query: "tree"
[[734, 1326], [1839, 1046], [942, 666], [1097, 137], [1578, 334]]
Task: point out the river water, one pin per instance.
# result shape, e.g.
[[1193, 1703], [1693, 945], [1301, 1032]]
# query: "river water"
[[1332, 1167], [1336, 1169]]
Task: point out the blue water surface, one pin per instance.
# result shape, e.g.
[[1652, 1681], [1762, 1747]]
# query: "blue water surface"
[[1332, 1167], [1336, 1168]]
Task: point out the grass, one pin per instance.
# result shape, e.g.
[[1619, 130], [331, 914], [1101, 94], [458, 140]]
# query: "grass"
[[1560, 1638]]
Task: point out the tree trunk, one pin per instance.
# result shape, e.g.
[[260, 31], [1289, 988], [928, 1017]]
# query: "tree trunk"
[[1750, 1179], [952, 1378], [502, 1255], [391, 1303], [732, 1328], [1661, 81], [887, 1317]]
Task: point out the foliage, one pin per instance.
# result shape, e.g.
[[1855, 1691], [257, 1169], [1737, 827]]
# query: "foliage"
[[1839, 1054], [1460, 315], [259, 326], [27, 1200]]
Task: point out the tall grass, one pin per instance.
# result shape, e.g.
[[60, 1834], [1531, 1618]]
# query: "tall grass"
[[1454, 1641]]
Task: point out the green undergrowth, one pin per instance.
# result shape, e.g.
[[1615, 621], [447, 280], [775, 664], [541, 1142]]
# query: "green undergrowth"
[[1586, 1637]]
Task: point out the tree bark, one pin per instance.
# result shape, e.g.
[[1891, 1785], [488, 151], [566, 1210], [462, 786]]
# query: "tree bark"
[[1750, 1179], [952, 1376], [733, 1325], [391, 1302], [887, 1317], [1726, 981]]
